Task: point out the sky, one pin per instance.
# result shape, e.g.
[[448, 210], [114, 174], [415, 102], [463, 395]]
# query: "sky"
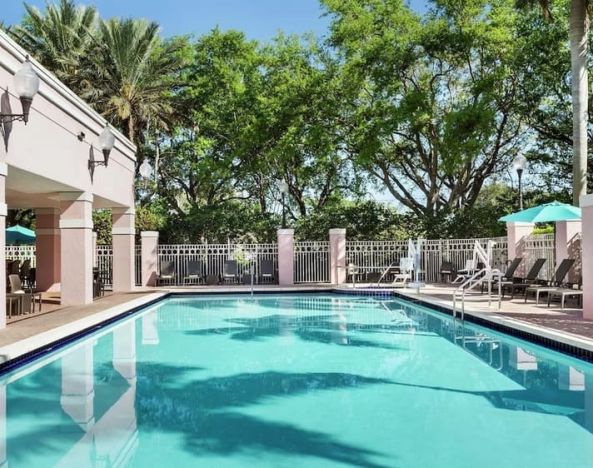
[[259, 19]]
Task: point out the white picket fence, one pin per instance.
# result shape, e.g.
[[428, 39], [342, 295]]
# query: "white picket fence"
[[311, 262], [21, 253]]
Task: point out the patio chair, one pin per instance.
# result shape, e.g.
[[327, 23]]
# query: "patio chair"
[[466, 272], [508, 275], [555, 283], [401, 279], [230, 271], [29, 296], [25, 272], [195, 272], [570, 291], [520, 284], [98, 285], [167, 272], [447, 270], [267, 271]]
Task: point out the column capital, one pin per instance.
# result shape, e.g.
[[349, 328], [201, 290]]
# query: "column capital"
[[149, 234], [337, 232], [123, 210], [3, 209], [286, 232], [586, 200], [3, 169], [47, 211]]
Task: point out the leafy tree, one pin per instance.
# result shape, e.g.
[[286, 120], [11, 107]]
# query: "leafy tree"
[[434, 115]]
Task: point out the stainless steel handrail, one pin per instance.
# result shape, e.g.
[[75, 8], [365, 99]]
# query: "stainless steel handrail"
[[471, 283]]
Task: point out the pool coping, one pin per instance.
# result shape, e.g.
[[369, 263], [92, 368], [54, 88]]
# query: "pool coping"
[[564, 342], [21, 352]]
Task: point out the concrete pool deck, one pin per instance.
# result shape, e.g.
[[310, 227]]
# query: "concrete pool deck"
[[37, 331]]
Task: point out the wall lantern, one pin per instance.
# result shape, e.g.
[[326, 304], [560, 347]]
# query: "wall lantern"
[[26, 83], [106, 143]]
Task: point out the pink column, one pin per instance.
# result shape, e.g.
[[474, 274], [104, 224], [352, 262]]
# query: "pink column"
[[516, 234], [337, 255], [3, 213], [150, 257], [285, 257], [587, 256], [567, 239], [47, 247], [76, 224], [123, 232]]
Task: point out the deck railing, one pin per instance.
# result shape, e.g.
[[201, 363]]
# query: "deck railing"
[[311, 262], [376, 256], [540, 246], [212, 258]]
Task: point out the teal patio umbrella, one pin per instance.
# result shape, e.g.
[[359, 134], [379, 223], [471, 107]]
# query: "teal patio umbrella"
[[546, 213], [19, 235]]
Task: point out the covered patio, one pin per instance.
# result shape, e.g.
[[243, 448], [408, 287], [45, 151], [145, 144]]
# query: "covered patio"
[[63, 163]]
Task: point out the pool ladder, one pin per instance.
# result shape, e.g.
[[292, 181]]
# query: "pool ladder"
[[472, 282]]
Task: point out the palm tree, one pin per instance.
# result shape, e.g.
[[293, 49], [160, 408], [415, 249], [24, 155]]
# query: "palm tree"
[[59, 37], [133, 72], [579, 39]]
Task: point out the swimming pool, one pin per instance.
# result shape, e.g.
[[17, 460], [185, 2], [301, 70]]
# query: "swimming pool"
[[297, 380]]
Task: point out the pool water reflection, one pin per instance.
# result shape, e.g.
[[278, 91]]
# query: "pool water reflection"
[[318, 380]]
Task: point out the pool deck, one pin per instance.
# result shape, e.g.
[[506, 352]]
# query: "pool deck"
[[27, 334]]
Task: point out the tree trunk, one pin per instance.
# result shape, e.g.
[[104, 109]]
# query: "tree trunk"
[[579, 35]]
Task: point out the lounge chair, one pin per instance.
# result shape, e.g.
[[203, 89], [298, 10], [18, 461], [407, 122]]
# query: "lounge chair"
[[195, 272], [447, 270], [520, 284], [29, 296], [230, 272], [559, 275], [563, 293], [508, 275], [167, 273], [267, 270]]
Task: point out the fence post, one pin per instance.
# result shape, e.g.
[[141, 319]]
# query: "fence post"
[[149, 257], [285, 257], [337, 256], [587, 259], [516, 234]]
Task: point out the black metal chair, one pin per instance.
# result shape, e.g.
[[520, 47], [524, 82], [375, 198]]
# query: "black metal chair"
[[195, 272], [167, 272], [520, 284], [230, 271], [267, 272]]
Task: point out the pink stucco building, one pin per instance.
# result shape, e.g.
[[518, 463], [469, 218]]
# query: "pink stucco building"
[[44, 166]]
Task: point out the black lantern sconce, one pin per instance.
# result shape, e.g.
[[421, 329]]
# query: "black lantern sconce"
[[106, 144]]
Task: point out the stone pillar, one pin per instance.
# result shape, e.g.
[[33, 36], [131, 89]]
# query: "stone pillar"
[[3, 432], [516, 234], [3, 213], [78, 386], [47, 247], [587, 256], [285, 257], [567, 233], [123, 233], [337, 256], [76, 235], [150, 257]]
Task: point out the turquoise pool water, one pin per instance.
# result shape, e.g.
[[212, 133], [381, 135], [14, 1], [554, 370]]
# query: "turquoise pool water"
[[297, 380]]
